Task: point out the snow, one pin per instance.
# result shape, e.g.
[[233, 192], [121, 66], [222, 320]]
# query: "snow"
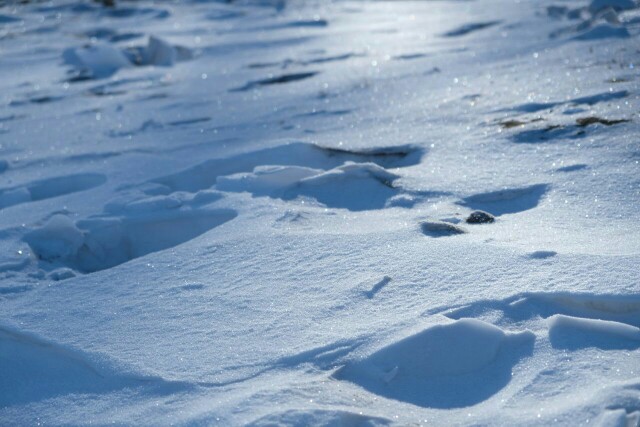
[[58, 238], [575, 331], [445, 366], [265, 212], [597, 5], [98, 61]]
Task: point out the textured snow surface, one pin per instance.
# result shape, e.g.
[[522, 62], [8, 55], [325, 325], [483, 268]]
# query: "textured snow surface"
[[256, 213]]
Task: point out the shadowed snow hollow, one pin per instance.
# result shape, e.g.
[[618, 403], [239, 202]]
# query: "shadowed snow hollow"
[[104, 242], [319, 417], [445, 366], [32, 369]]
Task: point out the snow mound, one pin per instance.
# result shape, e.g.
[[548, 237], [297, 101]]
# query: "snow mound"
[[265, 180], [523, 307], [353, 186], [101, 60], [304, 155], [96, 61], [353, 170], [576, 332], [103, 242], [58, 238], [449, 365], [158, 52], [356, 180]]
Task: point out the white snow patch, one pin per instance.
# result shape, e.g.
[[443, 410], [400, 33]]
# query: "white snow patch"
[[570, 326]]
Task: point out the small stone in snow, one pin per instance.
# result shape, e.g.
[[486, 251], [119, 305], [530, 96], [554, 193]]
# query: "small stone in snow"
[[480, 217]]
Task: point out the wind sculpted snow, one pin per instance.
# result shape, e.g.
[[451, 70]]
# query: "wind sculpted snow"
[[268, 212]]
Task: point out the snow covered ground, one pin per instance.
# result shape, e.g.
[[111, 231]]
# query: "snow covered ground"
[[255, 212]]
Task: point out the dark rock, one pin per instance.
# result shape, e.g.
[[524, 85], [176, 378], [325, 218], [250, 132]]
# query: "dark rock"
[[586, 121], [480, 217]]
